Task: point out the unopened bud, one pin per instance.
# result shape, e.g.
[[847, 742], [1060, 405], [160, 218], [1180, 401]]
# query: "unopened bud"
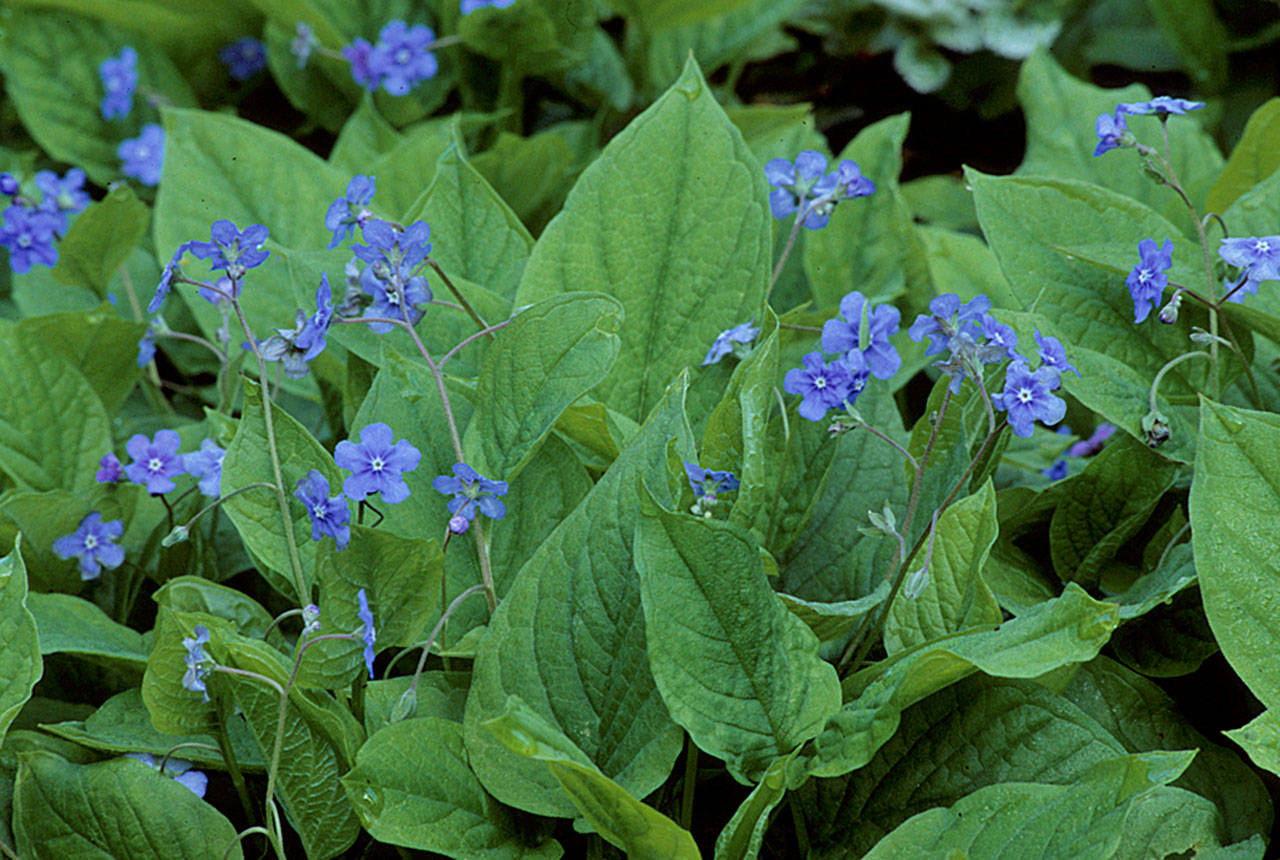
[[458, 524], [310, 618], [178, 535], [405, 706], [913, 586], [1169, 313], [1155, 429]]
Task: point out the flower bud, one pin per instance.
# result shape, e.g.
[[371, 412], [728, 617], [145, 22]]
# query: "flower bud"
[[915, 583], [1155, 429], [405, 706], [1169, 313], [458, 524], [178, 535]]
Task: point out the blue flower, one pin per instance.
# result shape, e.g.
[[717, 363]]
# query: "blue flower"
[[350, 209], [196, 661], [376, 464], [93, 543], [28, 234], [1094, 443], [392, 248], [172, 269], [206, 464], [109, 470], [119, 79], [386, 295], [329, 515], [304, 42], [1163, 105], [9, 184], [1028, 397], [1057, 471], [359, 54], [948, 318], [143, 156], [472, 491], [62, 195], [222, 287], [1148, 279], [1001, 340], [147, 346], [232, 249], [743, 333], [306, 340], [824, 386], [707, 482], [1113, 133], [155, 463], [469, 6], [1052, 353], [850, 182], [244, 57], [1259, 256], [799, 185], [179, 769], [401, 59], [367, 633], [846, 334]]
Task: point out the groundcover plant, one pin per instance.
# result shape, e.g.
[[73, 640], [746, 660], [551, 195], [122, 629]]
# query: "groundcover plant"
[[497, 429]]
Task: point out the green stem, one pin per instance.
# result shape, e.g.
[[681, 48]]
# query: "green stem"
[[462, 300], [786, 252], [1169, 365], [233, 768], [690, 781]]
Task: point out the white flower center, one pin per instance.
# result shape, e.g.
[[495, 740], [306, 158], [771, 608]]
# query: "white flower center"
[[142, 152], [1025, 395], [376, 464], [1262, 246], [90, 542], [403, 56], [320, 511], [820, 383], [1144, 276], [154, 464]]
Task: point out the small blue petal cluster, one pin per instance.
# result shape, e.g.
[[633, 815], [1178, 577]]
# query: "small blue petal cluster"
[[304, 42], [298, 346], [801, 187], [1083, 448], [367, 632], [179, 769], [724, 343], [1028, 397], [93, 543], [206, 466], [709, 482], [391, 256], [244, 57], [350, 210], [147, 346], [142, 157], [1148, 279], [469, 6], [155, 463], [860, 338], [376, 465], [1257, 257], [471, 492], [231, 249], [109, 470], [329, 514], [398, 62], [119, 80], [1113, 132], [197, 661], [31, 229]]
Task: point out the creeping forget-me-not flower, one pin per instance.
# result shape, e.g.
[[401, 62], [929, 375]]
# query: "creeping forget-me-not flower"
[[471, 492], [825, 386], [244, 57], [179, 769], [329, 514], [865, 329], [350, 209], [367, 632], [206, 464], [155, 463], [1148, 279], [93, 543], [742, 333], [142, 157], [1028, 397], [197, 661], [119, 80], [376, 464]]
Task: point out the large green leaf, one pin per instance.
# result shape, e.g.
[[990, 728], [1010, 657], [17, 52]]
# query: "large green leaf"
[[100, 240], [1255, 157], [1061, 139], [870, 244], [955, 596], [639, 830], [99, 343], [73, 625], [58, 101], [670, 220], [1235, 499], [569, 639], [20, 663], [412, 786], [256, 513], [115, 808], [1068, 629], [738, 671], [1084, 819], [533, 37], [1199, 37], [713, 41], [53, 437], [545, 359]]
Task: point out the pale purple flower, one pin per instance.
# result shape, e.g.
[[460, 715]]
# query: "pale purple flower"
[[376, 464], [471, 492], [93, 543], [155, 463], [206, 465], [846, 334]]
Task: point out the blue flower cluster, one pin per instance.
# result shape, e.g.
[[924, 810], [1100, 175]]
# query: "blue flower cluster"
[[141, 157], [724, 342], [119, 80], [1256, 257], [802, 188], [244, 57], [398, 62], [471, 492], [469, 6], [1083, 448], [1113, 131], [156, 462], [860, 337], [31, 228]]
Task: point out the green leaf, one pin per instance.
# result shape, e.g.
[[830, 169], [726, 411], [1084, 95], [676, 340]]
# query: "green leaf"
[[1260, 738], [412, 786], [73, 625], [532, 174], [831, 621], [741, 837], [715, 41], [53, 437], [1199, 37], [597, 686], [256, 513], [1255, 157], [20, 663], [100, 240], [58, 102], [681, 281], [483, 241], [1104, 506], [544, 360], [871, 243], [738, 671], [1068, 629], [639, 830], [1086, 819], [533, 37], [123, 725], [955, 596], [193, 594], [1160, 585], [1235, 499], [99, 343], [115, 808], [1061, 137], [657, 15]]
